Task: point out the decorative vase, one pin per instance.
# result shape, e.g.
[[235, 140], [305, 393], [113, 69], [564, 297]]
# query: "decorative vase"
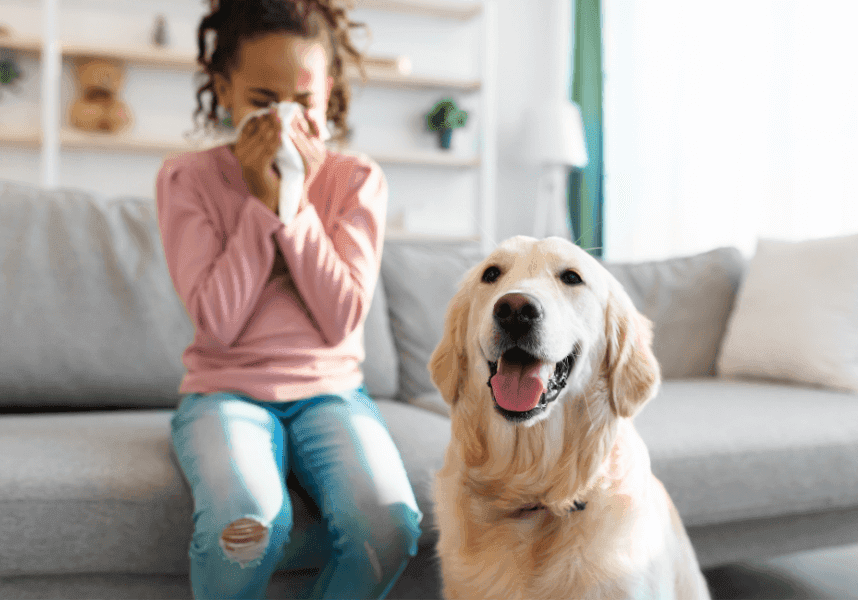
[[444, 137]]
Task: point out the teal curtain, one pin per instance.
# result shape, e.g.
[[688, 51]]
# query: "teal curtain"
[[585, 185]]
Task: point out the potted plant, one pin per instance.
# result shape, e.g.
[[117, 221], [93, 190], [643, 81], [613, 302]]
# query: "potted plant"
[[9, 71], [443, 118]]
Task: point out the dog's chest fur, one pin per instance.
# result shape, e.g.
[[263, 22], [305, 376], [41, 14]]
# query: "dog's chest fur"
[[550, 552], [583, 554]]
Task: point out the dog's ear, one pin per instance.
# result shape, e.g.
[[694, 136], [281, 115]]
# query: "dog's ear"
[[632, 370], [448, 364]]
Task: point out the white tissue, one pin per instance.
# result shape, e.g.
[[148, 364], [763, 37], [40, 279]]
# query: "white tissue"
[[288, 159]]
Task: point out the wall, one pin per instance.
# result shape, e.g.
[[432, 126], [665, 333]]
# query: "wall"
[[427, 199]]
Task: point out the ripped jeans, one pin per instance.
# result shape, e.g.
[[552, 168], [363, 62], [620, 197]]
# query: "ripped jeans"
[[235, 453]]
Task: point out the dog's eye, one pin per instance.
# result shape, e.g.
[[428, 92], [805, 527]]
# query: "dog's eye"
[[491, 275], [570, 277]]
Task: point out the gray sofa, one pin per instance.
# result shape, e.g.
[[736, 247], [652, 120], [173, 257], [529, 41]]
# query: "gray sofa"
[[91, 335]]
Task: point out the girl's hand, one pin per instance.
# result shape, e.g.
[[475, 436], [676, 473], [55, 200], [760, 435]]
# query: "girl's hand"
[[305, 134], [255, 150]]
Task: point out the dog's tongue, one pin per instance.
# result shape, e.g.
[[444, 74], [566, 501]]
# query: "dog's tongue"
[[518, 387]]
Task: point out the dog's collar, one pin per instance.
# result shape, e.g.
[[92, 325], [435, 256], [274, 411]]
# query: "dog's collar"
[[577, 506]]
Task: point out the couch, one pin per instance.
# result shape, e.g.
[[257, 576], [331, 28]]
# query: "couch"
[[91, 334]]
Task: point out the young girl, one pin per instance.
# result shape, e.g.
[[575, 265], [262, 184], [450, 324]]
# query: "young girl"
[[273, 379]]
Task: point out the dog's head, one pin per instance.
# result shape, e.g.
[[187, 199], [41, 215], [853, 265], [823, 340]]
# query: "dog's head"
[[540, 322]]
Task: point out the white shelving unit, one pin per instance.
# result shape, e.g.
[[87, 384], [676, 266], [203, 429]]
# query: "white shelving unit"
[[54, 135]]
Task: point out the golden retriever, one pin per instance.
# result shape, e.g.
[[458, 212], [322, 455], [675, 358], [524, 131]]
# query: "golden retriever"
[[546, 489]]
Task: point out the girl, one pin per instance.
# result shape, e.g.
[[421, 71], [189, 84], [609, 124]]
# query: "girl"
[[273, 380]]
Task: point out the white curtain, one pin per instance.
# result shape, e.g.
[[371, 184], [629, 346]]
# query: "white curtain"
[[726, 121]]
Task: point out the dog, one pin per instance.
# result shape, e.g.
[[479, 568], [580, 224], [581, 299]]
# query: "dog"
[[546, 489]]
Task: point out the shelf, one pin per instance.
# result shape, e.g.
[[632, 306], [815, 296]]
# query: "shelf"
[[388, 79], [446, 10], [144, 55], [25, 138], [380, 71], [73, 138], [22, 44], [432, 159], [82, 140]]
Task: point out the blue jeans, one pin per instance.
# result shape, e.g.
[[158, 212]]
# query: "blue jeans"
[[236, 452]]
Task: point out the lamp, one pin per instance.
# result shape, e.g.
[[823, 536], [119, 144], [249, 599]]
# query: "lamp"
[[554, 140]]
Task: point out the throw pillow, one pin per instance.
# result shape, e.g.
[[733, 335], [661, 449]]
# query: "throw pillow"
[[688, 299], [796, 315], [379, 365], [420, 279], [89, 314]]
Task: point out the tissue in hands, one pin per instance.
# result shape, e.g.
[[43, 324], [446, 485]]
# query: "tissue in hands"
[[288, 159]]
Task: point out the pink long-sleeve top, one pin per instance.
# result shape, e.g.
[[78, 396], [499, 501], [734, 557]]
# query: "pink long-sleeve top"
[[278, 309]]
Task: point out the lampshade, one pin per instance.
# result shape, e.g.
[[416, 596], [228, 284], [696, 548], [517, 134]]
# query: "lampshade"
[[554, 134]]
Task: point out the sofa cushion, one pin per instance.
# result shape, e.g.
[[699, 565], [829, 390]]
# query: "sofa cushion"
[[380, 367], [99, 492], [688, 299], [432, 401], [420, 279], [729, 450], [796, 314], [88, 312]]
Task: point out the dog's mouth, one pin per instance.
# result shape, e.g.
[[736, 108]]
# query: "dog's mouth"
[[522, 385]]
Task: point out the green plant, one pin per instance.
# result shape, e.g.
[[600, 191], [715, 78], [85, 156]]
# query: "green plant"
[[443, 118], [9, 71], [446, 115]]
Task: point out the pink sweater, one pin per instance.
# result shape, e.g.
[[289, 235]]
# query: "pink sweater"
[[278, 309]]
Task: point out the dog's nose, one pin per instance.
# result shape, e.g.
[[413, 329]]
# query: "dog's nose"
[[517, 313]]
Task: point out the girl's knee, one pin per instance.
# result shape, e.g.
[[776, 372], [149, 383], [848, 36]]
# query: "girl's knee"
[[384, 543], [245, 540], [405, 527]]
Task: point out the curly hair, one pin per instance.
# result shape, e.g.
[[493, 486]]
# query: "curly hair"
[[231, 21]]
